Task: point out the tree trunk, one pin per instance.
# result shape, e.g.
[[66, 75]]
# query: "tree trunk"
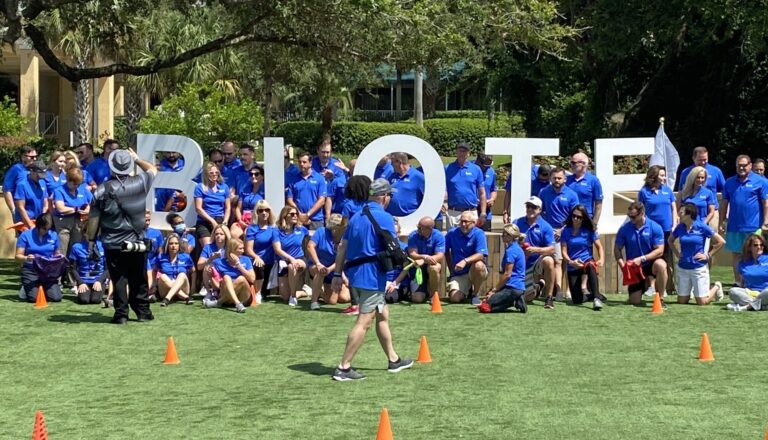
[[432, 88], [327, 119], [418, 108], [268, 105], [134, 111], [399, 91], [82, 106]]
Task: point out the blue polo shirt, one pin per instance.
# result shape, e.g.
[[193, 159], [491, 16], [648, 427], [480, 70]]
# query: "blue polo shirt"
[[588, 189], [703, 198], [249, 199], [156, 237], [658, 205], [166, 166], [465, 245], [290, 241], [213, 199], [427, 246], [182, 264], [745, 202], [755, 273], [242, 179], [33, 194], [335, 190], [351, 207], [291, 173], [408, 194], [52, 183], [187, 238], [539, 234], [362, 242], [210, 249], [162, 195], [692, 242], [229, 171], [99, 170], [383, 171], [463, 183], [318, 168], [81, 198], [715, 178], [88, 270], [224, 268], [642, 241], [489, 183], [15, 173], [262, 241], [579, 244], [557, 207], [536, 185], [324, 246], [34, 244], [514, 255], [305, 190]]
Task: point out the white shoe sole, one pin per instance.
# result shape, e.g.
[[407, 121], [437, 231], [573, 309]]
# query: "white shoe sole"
[[401, 368]]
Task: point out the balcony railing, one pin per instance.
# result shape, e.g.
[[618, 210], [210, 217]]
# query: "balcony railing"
[[48, 124]]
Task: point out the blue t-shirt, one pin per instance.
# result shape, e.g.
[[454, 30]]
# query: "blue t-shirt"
[[383, 172], [489, 182], [465, 245], [642, 241], [693, 242], [588, 190], [99, 170], [427, 246], [88, 270], [745, 202], [306, 190], [703, 198], [335, 190], [33, 194], [262, 241], [514, 255], [224, 268], [658, 205], [463, 183], [408, 192], [351, 208], [755, 273], [362, 241], [325, 248], [15, 173], [213, 199], [290, 241], [81, 198], [34, 244], [539, 234], [557, 207], [182, 264], [579, 244], [53, 183]]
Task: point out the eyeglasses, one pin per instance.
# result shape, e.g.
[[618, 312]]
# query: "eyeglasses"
[[218, 161], [578, 162], [633, 216], [32, 156], [228, 154], [262, 210], [758, 244], [531, 207], [577, 217], [742, 165], [292, 214], [255, 174]]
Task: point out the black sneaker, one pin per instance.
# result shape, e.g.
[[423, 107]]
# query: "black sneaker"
[[549, 303], [348, 374], [399, 365], [663, 305], [119, 320], [520, 305]]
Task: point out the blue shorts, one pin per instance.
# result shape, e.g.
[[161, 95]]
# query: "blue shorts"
[[734, 241]]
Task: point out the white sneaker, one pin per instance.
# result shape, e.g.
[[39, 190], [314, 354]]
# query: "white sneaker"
[[597, 304], [476, 301], [22, 293], [650, 291], [292, 301], [719, 295], [259, 299], [203, 292], [210, 303], [736, 307], [314, 306], [664, 295]]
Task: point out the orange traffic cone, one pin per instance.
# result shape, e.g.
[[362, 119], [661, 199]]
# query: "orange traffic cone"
[[171, 358], [436, 306], [385, 429], [657, 309], [40, 301], [253, 296], [424, 356], [705, 352], [39, 432]]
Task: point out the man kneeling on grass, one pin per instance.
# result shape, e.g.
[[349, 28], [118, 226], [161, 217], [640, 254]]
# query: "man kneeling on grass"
[[466, 249]]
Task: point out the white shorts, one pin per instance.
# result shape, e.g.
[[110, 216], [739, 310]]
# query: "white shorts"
[[696, 280], [462, 283]]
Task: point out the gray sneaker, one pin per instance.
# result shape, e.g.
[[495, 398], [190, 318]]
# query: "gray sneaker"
[[597, 304], [240, 308], [210, 302], [400, 365], [350, 374]]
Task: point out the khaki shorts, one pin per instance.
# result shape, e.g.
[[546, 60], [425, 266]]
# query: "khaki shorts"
[[462, 283], [369, 300]]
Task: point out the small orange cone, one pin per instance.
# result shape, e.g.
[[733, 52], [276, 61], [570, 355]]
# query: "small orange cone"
[[657, 309], [705, 353], [171, 358], [424, 356], [40, 301], [436, 306], [385, 429], [253, 296], [39, 432]]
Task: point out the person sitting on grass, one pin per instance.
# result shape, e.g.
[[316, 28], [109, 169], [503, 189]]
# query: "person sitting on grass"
[[173, 267], [322, 259], [233, 278], [288, 242], [426, 247], [753, 268], [89, 269], [398, 280], [539, 249], [693, 258], [509, 291], [258, 245], [577, 240], [39, 242], [210, 252], [466, 250]]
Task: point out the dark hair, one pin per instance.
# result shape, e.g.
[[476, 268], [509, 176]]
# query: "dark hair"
[[652, 176], [745, 254], [557, 170], [44, 220], [258, 167], [357, 188], [247, 146], [26, 149], [691, 210], [304, 153], [215, 151], [757, 161], [698, 150], [586, 220], [171, 217], [110, 142], [86, 145], [637, 206]]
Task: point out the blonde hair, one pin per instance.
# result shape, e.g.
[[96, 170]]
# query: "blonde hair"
[[72, 160], [690, 182], [281, 223], [262, 204], [54, 156], [513, 231], [207, 169], [233, 244], [225, 230]]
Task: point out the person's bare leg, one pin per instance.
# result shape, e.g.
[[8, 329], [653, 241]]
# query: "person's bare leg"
[[660, 271], [228, 290], [384, 335], [434, 278], [549, 276], [477, 276], [317, 283], [355, 338]]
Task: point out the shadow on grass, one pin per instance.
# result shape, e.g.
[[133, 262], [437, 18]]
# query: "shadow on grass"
[[81, 318], [12, 297], [313, 368]]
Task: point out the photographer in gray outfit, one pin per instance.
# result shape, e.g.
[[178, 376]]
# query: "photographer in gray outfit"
[[117, 215]]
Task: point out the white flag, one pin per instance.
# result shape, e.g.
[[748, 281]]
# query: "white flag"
[[665, 154]]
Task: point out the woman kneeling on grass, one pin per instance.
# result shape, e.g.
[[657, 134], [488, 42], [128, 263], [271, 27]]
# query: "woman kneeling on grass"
[[89, 269], [753, 267], [693, 259], [235, 277], [510, 289], [172, 272], [577, 240]]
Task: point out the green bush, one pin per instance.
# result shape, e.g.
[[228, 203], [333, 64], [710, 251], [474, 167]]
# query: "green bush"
[[303, 135], [352, 137], [444, 134], [10, 149], [11, 122]]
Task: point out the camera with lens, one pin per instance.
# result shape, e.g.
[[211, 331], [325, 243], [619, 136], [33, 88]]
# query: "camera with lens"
[[136, 246]]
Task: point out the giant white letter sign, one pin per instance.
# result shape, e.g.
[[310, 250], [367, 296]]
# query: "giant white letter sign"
[[148, 145], [274, 174], [605, 151], [434, 172], [522, 151]]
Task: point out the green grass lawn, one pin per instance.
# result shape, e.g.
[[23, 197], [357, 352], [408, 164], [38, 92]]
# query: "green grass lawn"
[[622, 373]]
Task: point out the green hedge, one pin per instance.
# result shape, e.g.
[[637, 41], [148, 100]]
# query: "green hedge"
[[444, 134], [303, 135]]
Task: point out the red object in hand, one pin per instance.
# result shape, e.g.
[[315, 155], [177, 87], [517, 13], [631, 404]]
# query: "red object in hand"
[[525, 246], [181, 202]]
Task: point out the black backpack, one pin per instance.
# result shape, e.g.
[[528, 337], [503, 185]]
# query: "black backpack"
[[393, 255]]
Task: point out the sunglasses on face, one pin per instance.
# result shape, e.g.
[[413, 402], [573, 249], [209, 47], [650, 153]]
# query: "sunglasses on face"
[[577, 217], [757, 245], [292, 214], [218, 161], [262, 210], [255, 174], [577, 162]]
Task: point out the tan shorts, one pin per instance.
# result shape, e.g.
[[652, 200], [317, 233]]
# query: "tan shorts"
[[462, 282]]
